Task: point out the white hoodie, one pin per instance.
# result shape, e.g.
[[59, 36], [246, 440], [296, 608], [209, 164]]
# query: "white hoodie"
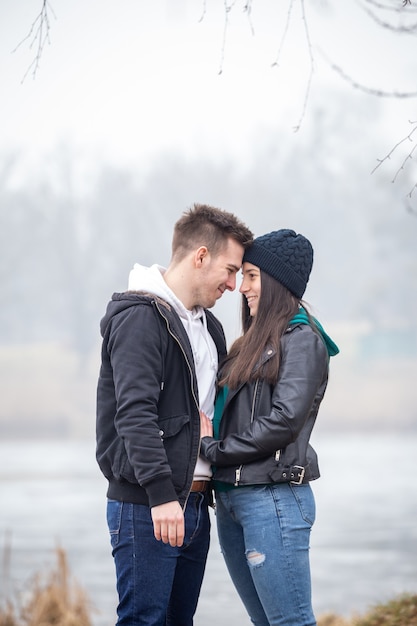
[[150, 279]]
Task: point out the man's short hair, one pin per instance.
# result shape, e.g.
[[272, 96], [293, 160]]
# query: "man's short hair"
[[204, 225]]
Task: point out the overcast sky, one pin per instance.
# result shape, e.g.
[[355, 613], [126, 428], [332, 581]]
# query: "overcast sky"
[[123, 81]]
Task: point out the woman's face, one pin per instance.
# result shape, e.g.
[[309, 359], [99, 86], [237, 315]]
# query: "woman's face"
[[251, 286]]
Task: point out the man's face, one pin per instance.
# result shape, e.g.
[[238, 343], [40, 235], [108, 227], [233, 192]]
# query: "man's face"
[[217, 274]]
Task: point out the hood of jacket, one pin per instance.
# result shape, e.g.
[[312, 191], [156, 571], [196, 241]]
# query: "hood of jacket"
[[148, 282]]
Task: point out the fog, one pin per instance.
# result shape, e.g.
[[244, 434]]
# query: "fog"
[[126, 124]]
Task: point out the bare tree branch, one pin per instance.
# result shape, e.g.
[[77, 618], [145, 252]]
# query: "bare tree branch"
[[409, 156], [388, 156], [284, 34], [369, 90], [410, 29], [227, 9], [38, 36], [310, 52], [203, 14], [393, 9], [402, 166], [310, 77], [248, 9]]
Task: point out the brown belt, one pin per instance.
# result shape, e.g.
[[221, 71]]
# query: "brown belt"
[[199, 485]]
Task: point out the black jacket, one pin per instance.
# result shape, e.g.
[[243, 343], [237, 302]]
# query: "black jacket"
[[148, 422], [265, 430]]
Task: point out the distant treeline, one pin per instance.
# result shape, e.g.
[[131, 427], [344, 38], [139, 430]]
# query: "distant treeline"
[[65, 250]]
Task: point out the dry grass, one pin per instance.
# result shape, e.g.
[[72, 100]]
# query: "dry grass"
[[56, 601], [329, 619], [400, 611]]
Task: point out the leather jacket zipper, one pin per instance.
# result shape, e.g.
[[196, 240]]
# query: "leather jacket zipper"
[[238, 471]]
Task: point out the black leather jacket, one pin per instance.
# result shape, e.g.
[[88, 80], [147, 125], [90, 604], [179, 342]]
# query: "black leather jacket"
[[148, 420], [265, 430]]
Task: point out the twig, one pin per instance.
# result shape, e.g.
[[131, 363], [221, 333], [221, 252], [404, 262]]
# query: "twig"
[[203, 14], [39, 35], [408, 30], [284, 34], [411, 192], [227, 9], [369, 90], [310, 51], [408, 157], [310, 77], [390, 7], [388, 156], [248, 9]]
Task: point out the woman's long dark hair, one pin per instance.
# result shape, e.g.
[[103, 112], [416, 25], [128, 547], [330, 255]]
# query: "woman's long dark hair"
[[276, 307]]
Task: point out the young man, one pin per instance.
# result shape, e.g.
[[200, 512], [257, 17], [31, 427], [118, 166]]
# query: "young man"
[[160, 353]]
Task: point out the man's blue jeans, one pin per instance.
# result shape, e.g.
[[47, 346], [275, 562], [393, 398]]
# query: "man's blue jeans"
[[264, 535], [158, 585]]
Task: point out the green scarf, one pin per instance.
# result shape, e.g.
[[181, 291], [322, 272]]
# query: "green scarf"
[[302, 318], [218, 409]]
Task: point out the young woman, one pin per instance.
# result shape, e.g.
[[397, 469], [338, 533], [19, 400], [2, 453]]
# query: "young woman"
[[270, 388]]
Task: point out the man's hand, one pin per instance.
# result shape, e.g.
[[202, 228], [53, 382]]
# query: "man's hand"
[[168, 523], [206, 427]]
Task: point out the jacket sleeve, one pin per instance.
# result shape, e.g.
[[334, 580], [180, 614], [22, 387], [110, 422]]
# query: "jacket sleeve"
[[137, 357], [303, 368]]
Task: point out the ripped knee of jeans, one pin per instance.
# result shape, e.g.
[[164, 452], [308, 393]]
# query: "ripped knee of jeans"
[[255, 558]]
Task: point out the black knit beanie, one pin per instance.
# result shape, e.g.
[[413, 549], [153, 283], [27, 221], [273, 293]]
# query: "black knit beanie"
[[285, 256]]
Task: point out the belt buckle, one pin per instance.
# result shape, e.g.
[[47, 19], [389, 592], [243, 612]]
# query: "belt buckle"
[[300, 474]]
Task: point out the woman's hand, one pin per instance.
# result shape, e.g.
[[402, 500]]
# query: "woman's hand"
[[206, 427]]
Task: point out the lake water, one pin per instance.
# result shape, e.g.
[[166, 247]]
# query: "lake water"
[[363, 548]]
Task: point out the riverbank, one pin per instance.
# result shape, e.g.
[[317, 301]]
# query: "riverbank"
[[54, 598]]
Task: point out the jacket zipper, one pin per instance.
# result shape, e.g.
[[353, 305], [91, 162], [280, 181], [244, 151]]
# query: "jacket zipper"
[[191, 376], [238, 471]]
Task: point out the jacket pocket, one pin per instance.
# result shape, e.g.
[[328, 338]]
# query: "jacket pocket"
[[172, 425], [175, 432]]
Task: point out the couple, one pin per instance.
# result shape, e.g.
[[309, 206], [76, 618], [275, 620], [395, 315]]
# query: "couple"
[[166, 383]]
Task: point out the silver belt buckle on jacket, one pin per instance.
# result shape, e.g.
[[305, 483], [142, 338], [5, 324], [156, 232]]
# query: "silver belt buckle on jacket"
[[300, 473]]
